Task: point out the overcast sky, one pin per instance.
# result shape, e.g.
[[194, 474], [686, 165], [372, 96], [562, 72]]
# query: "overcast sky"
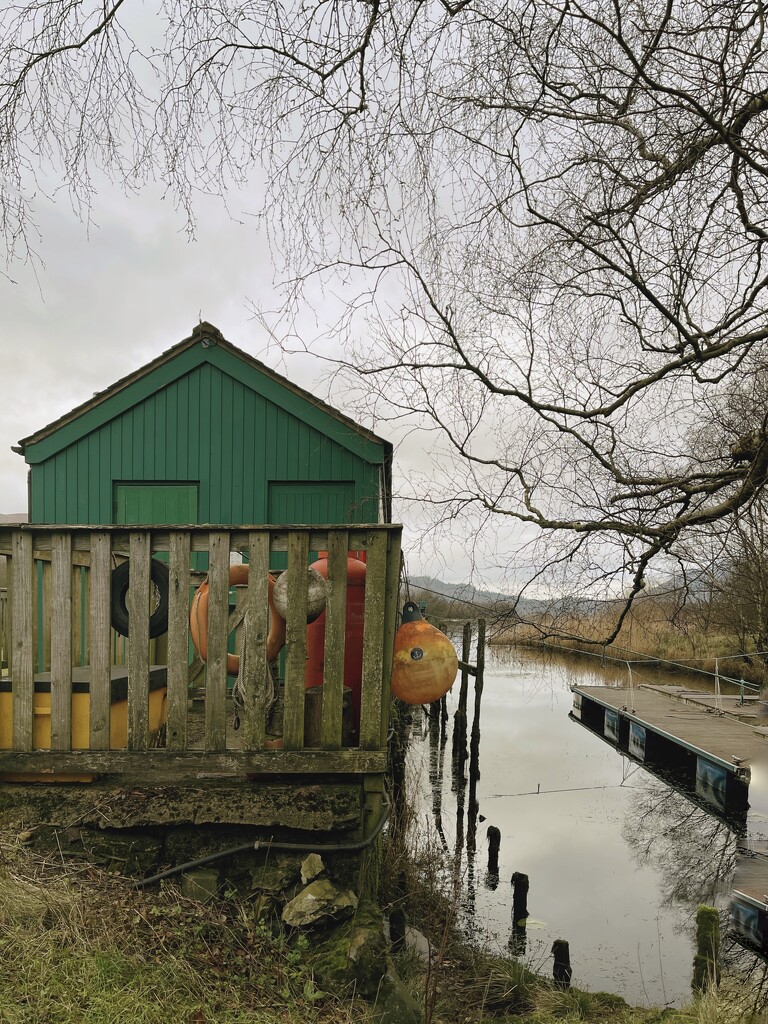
[[104, 298]]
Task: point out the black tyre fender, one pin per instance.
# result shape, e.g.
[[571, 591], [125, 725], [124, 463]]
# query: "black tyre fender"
[[158, 621]]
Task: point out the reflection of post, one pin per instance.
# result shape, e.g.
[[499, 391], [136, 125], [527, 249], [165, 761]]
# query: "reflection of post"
[[436, 771], [474, 743], [561, 968]]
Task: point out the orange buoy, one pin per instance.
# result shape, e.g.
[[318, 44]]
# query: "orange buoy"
[[425, 662], [198, 620]]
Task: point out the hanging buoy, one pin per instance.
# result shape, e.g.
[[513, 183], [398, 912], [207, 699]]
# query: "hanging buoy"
[[317, 593], [198, 620], [425, 662]]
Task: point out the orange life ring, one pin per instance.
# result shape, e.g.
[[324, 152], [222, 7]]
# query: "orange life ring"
[[198, 620]]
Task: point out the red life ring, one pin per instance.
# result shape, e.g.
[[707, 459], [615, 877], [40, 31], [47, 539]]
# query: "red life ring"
[[198, 620]]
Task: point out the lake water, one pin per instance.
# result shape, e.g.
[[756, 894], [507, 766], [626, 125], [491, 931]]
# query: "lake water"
[[617, 860]]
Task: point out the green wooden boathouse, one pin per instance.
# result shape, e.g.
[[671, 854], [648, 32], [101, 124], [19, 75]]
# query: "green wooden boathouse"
[[205, 433]]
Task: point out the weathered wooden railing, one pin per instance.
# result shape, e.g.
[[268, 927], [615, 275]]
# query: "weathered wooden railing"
[[213, 748]]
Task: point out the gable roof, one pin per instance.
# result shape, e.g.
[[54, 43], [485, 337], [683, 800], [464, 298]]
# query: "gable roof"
[[205, 344]]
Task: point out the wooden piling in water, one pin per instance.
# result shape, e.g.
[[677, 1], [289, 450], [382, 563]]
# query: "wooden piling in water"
[[459, 748], [474, 743], [494, 842], [561, 968], [519, 896], [706, 962]]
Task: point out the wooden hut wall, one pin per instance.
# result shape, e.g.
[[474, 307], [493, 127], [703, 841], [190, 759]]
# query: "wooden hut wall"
[[204, 427]]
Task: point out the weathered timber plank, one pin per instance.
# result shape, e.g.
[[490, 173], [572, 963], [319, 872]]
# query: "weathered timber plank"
[[100, 635], [138, 642], [43, 623], [391, 594], [255, 677], [373, 643], [154, 765], [335, 637], [61, 642], [296, 640], [218, 620], [178, 640], [22, 653]]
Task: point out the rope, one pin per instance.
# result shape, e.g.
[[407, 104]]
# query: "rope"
[[238, 691], [631, 690]]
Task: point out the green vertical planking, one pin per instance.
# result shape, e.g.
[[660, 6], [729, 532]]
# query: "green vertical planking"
[[210, 428]]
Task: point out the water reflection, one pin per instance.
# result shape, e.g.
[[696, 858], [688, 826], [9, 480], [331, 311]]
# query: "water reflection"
[[617, 860]]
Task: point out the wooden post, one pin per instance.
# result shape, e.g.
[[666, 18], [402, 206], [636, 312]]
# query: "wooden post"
[[561, 968], [100, 626], [61, 641], [258, 687], [22, 655], [218, 631], [371, 711], [706, 962], [459, 748], [335, 639], [494, 842], [178, 640], [296, 640], [138, 641], [519, 896]]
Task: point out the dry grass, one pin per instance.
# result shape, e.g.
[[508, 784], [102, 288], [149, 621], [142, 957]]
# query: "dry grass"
[[653, 629], [78, 946]]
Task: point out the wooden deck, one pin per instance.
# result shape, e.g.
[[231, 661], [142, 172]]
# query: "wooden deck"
[[720, 738], [748, 708]]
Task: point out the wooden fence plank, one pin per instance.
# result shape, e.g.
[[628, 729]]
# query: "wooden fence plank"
[[296, 640], [61, 642], [138, 641], [335, 630], [178, 640], [43, 624], [100, 641], [373, 642], [255, 676], [218, 618], [22, 655], [391, 595]]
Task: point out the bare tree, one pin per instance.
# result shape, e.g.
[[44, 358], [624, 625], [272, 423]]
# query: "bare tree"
[[549, 220]]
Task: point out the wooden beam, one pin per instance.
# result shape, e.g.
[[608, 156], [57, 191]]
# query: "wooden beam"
[[100, 629], [22, 655], [61, 642], [138, 642], [335, 639], [373, 643], [296, 640], [151, 766], [218, 620], [255, 676], [178, 640]]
